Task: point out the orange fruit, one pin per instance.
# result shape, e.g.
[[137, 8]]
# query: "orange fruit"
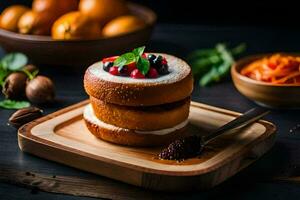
[[103, 10], [57, 7], [36, 23], [10, 17], [75, 25], [122, 25]]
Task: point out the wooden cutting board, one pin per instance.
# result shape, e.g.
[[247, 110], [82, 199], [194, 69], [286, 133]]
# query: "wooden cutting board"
[[63, 137]]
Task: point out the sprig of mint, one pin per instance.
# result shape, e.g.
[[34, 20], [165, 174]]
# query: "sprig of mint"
[[125, 59], [14, 61], [213, 64], [142, 64], [138, 52], [10, 104]]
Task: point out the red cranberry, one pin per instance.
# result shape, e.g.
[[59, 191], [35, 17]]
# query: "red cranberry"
[[144, 55], [110, 59], [164, 61], [152, 73], [114, 71], [131, 67], [136, 74]]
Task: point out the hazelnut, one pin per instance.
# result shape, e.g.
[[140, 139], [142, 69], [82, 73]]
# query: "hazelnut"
[[14, 86], [25, 115], [40, 90]]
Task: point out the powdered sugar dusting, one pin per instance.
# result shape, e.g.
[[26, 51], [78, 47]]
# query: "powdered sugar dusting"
[[178, 69], [89, 115]]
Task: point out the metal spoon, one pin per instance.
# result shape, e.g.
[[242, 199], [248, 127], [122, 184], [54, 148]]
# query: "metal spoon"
[[194, 145]]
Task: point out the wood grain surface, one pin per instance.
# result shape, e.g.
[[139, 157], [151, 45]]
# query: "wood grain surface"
[[97, 188], [63, 137]]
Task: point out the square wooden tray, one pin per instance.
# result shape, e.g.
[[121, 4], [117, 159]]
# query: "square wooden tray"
[[63, 137]]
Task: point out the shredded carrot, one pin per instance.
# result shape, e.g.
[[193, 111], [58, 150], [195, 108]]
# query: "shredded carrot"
[[277, 69]]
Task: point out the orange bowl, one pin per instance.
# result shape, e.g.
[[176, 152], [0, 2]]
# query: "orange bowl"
[[43, 50], [263, 93]]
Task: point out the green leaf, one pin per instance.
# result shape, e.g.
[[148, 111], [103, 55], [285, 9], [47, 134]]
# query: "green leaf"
[[202, 53], [210, 77], [10, 104], [143, 65], [212, 65], [3, 74], [138, 52], [239, 49], [14, 61], [224, 53], [125, 59], [203, 65]]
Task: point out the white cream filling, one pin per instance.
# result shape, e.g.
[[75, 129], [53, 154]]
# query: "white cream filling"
[[89, 115], [178, 70]]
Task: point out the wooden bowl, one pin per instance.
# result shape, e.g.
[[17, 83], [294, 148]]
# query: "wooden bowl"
[[43, 50], [265, 94]]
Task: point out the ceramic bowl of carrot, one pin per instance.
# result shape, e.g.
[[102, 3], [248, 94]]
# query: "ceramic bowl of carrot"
[[271, 80]]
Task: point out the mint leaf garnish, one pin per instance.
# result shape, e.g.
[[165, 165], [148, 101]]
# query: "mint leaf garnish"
[[138, 52], [143, 65], [125, 59], [3, 74], [14, 61], [10, 104], [130, 57]]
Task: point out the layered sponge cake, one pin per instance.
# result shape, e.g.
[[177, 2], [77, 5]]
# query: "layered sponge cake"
[[140, 103]]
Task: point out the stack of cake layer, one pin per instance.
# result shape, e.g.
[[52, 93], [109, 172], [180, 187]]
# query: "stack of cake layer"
[[138, 112]]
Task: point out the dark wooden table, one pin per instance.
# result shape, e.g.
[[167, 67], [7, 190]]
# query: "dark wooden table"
[[262, 180]]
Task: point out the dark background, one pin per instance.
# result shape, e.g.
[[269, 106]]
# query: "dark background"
[[213, 12], [264, 26]]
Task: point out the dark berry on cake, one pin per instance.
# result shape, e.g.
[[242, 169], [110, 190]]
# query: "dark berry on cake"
[[107, 66]]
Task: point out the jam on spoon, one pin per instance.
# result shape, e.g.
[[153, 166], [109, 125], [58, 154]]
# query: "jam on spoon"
[[192, 146]]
